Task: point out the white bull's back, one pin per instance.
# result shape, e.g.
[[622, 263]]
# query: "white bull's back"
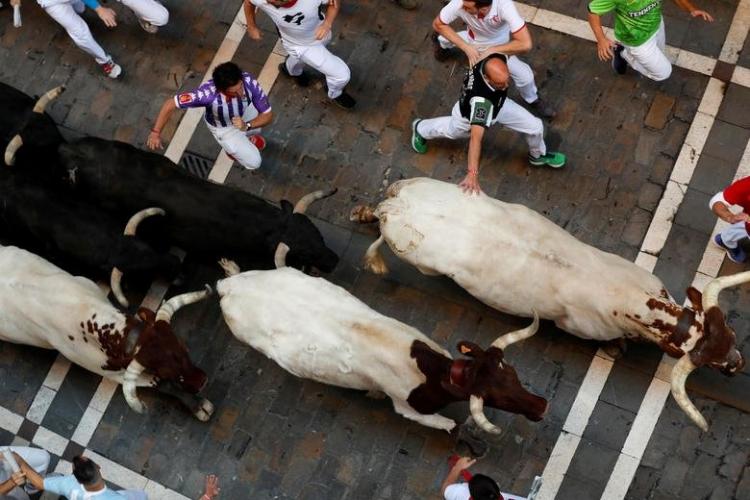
[[43, 306], [315, 329], [511, 257]]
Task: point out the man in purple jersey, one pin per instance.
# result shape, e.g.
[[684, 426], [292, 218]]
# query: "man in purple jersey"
[[236, 109]]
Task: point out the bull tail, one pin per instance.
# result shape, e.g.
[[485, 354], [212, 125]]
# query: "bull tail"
[[373, 260]]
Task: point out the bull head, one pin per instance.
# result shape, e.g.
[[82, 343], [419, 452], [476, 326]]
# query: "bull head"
[[489, 381], [42, 135], [306, 247], [715, 348], [161, 353]]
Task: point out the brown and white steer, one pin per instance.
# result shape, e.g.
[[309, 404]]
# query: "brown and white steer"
[[317, 330], [43, 306], [515, 260]]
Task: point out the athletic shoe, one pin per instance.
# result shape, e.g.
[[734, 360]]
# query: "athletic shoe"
[[111, 69], [345, 100], [735, 254], [542, 109], [619, 64], [302, 79], [148, 27], [439, 52], [418, 143], [258, 141], [552, 159]]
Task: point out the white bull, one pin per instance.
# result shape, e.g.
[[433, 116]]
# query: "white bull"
[[43, 306], [515, 260], [317, 330]]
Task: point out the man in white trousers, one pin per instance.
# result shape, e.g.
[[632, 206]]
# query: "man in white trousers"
[[151, 14], [14, 485], [305, 30], [236, 109], [493, 26], [733, 238], [483, 103], [639, 31]]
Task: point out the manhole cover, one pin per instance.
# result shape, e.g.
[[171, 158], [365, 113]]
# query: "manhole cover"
[[197, 165]]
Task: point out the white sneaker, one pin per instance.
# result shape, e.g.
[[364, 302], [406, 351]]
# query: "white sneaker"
[[111, 69], [148, 27]]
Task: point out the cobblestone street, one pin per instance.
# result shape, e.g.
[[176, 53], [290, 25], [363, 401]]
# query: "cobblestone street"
[[644, 158]]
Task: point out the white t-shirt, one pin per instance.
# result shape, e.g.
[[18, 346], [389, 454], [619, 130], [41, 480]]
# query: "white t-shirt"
[[460, 491], [297, 24], [495, 28]]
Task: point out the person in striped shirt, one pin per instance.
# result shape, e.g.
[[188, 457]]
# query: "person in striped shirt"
[[236, 108]]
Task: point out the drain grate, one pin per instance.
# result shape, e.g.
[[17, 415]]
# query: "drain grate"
[[197, 165]]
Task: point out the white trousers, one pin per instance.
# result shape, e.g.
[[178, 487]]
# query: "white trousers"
[[648, 59], [68, 15], [520, 72], [37, 460], [732, 235], [235, 142], [320, 58], [512, 115]]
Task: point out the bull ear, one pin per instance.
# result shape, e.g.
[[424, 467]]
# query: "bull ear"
[[470, 349], [146, 315], [286, 207], [696, 298]]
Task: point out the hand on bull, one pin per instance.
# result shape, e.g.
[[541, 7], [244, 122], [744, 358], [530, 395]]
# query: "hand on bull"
[[470, 184], [154, 140]]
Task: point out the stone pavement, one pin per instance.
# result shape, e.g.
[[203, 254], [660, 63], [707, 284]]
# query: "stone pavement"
[[275, 436]]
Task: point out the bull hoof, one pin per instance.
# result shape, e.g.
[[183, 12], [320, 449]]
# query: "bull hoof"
[[204, 411], [362, 214]]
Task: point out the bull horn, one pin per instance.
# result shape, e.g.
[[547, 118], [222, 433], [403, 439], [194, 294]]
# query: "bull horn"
[[680, 373], [51, 95], [304, 203], [279, 258], [115, 278], [171, 306], [132, 225], [10, 150], [476, 405], [513, 337], [714, 288], [129, 380]]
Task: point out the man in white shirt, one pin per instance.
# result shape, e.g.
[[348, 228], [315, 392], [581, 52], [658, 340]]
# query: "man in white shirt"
[[305, 29], [478, 487], [493, 26]]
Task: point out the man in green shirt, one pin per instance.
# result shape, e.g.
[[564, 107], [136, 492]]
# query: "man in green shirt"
[[639, 30]]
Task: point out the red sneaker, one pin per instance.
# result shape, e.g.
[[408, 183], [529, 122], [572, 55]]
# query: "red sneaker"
[[258, 141]]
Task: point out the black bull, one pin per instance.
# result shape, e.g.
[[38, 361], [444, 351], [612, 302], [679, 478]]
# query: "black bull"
[[204, 218], [73, 234]]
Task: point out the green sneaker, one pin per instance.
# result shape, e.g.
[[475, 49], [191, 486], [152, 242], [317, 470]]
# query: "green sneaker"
[[552, 159], [418, 143]]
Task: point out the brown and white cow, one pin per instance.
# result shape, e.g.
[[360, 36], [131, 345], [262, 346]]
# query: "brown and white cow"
[[43, 306], [515, 260], [317, 330]]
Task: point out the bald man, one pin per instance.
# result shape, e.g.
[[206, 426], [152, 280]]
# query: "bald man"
[[483, 102]]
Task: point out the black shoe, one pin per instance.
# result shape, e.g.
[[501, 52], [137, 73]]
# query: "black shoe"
[[345, 100], [302, 79], [542, 109], [619, 64], [440, 53]]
